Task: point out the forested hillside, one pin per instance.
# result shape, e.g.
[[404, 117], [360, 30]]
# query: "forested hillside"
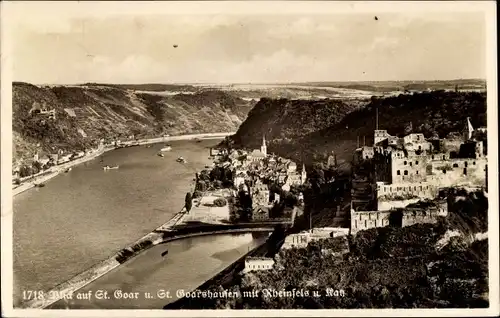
[[85, 114], [311, 130]]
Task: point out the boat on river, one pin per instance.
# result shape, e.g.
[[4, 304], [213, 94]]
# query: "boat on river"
[[181, 159], [166, 148], [160, 154], [39, 185], [68, 170], [164, 253], [110, 168]]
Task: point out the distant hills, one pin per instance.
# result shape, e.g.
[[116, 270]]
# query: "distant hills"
[[366, 85], [387, 86]]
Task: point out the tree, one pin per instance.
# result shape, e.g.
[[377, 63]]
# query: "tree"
[[197, 194], [25, 171], [37, 166], [201, 186], [188, 201]]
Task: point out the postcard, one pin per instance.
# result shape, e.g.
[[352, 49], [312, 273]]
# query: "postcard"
[[249, 158]]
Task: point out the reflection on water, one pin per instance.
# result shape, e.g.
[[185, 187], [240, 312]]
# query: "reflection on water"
[[84, 216], [189, 263]]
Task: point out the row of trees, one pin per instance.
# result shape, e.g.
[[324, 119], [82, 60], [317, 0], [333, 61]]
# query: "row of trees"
[[34, 168]]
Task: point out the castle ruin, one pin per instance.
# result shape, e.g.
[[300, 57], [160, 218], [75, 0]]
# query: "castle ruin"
[[397, 172]]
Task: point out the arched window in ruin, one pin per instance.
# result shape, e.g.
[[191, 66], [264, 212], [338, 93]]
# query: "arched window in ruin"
[[398, 173], [444, 157], [474, 163], [404, 163], [416, 162], [465, 164], [455, 165], [417, 171], [406, 172], [444, 170]]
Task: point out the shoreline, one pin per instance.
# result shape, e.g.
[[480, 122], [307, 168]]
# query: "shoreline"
[[153, 238], [55, 171], [156, 237]]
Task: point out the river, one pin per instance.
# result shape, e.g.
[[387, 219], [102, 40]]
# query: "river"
[[188, 264], [84, 216]]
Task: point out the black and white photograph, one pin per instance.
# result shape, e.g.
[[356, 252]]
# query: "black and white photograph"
[[249, 158]]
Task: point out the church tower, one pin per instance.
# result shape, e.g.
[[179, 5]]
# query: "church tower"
[[468, 130], [263, 148]]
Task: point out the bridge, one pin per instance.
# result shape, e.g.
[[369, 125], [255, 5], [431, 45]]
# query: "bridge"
[[189, 230]]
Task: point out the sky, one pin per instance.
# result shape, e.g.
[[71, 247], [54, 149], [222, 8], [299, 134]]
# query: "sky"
[[54, 47]]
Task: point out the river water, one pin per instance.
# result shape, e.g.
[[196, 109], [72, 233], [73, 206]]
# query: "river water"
[[84, 216], [188, 264]]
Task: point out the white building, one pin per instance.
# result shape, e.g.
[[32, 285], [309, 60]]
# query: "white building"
[[258, 264], [302, 239]]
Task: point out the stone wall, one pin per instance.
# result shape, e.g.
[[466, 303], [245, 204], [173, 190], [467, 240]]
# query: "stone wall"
[[458, 172], [419, 216], [409, 169], [400, 195], [364, 220]]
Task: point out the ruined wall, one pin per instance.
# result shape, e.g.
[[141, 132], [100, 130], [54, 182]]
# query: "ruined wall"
[[458, 172], [416, 142], [380, 135], [364, 220], [371, 219], [415, 217], [409, 169], [400, 195]]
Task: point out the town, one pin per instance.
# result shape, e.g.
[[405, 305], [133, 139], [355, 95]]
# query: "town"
[[398, 181]]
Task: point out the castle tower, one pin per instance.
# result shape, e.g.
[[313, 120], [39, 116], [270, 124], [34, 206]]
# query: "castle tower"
[[468, 130], [263, 148], [379, 136], [303, 175]]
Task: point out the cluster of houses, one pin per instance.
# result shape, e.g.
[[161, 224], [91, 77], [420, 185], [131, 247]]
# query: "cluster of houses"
[[46, 161], [255, 171]]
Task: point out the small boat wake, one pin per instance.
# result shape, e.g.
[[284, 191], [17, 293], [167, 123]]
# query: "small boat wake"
[[110, 168]]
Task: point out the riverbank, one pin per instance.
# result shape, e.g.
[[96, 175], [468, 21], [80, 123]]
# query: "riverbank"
[[54, 171], [230, 273], [163, 234]]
